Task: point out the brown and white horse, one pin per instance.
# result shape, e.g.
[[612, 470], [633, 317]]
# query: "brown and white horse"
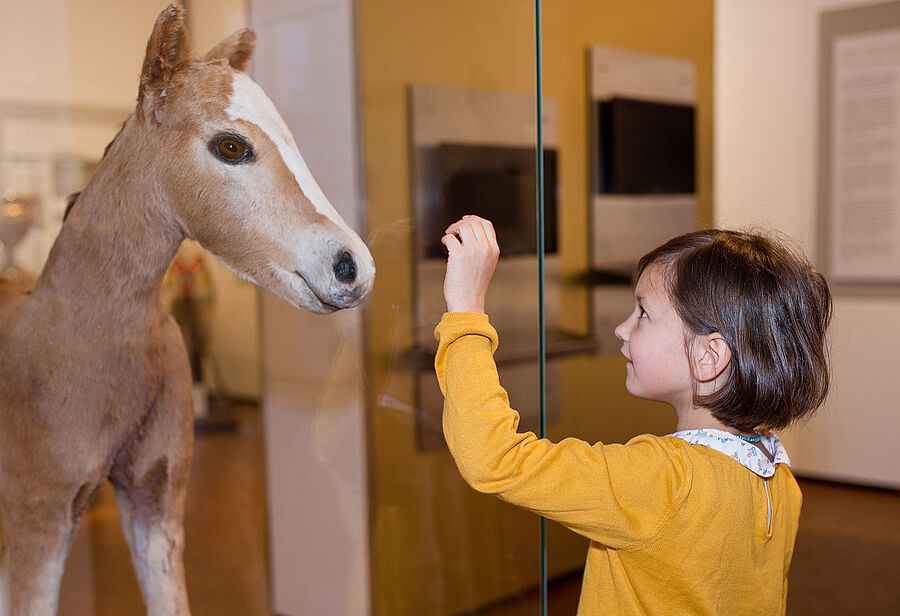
[[94, 379]]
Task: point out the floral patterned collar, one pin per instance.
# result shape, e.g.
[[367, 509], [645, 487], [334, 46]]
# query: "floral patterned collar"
[[744, 453]]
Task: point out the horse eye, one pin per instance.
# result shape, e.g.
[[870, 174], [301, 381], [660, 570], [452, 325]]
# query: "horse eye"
[[231, 149]]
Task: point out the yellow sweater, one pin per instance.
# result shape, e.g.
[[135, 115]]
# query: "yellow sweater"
[[674, 528]]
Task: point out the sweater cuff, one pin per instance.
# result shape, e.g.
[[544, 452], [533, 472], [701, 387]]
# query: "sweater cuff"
[[455, 325]]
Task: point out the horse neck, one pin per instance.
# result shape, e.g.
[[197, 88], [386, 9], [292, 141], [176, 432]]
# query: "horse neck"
[[115, 246]]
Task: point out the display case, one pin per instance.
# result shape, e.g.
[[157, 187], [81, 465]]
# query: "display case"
[[342, 495]]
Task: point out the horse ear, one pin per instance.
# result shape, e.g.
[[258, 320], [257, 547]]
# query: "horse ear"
[[237, 49], [167, 51]]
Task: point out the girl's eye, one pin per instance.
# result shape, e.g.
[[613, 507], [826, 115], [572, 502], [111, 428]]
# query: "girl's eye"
[[231, 149], [643, 313]]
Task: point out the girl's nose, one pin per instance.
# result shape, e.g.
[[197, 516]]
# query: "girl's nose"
[[622, 330]]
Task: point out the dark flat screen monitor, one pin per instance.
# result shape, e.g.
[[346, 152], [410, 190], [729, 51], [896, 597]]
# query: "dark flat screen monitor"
[[495, 182], [644, 147]]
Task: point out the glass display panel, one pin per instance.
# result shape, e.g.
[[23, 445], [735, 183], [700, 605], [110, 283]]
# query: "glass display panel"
[[612, 208], [443, 120], [449, 120]]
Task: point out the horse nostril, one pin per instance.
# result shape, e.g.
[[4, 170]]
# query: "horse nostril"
[[345, 268]]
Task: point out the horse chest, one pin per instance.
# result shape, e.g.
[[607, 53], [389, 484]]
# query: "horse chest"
[[62, 373]]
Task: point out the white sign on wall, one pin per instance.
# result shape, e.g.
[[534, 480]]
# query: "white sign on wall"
[[859, 148], [864, 234]]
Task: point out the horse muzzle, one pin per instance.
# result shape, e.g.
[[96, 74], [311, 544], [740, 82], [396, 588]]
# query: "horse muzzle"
[[353, 279], [345, 283]]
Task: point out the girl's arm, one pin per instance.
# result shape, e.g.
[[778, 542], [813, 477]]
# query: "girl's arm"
[[614, 494]]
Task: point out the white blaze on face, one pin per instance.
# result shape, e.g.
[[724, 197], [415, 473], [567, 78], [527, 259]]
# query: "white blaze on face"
[[250, 104]]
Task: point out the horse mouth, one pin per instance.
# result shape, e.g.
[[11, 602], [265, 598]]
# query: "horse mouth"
[[326, 305]]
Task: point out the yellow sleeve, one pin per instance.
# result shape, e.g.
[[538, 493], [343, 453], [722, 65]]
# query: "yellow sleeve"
[[618, 495]]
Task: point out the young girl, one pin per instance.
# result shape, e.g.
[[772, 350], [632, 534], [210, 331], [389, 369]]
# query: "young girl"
[[729, 329]]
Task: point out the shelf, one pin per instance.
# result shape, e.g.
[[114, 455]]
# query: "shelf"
[[558, 344], [604, 278]]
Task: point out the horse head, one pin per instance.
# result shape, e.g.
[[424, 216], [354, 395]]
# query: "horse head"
[[226, 162]]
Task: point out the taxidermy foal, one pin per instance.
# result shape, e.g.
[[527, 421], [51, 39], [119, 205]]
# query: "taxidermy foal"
[[94, 378]]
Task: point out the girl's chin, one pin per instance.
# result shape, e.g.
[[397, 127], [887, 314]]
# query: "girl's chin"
[[635, 389], [630, 386]]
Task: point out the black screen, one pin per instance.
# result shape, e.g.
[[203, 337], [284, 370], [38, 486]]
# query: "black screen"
[[645, 147], [497, 183]]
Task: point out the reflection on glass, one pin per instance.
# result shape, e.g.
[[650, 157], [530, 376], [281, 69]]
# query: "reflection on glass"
[[494, 182], [449, 119]]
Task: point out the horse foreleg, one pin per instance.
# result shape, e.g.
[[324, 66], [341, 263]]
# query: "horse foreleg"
[[151, 484], [157, 546], [4, 576], [36, 541], [152, 517]]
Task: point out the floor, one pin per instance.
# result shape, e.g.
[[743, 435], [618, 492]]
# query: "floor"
[[846, 561]]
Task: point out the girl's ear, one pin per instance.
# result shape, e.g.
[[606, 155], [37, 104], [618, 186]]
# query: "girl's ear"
[[712, 355]]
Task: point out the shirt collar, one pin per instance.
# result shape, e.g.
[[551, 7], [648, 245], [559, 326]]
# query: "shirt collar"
[[746, 454]]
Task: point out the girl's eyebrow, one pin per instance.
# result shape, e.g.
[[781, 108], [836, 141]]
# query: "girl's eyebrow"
[[642, 301]]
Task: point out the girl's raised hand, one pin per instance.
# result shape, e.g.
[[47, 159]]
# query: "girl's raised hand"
[[472, 256]]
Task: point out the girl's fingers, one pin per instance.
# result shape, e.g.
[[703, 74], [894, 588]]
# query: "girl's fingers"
[[467, 220], [453, 227], [484, 225], [478, 230], [451, 242], [491, 233], [466, 232], [472, 227]]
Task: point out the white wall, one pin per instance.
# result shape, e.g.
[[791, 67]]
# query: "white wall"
[[57, 51], [314, 403], [89, 52], [766, 80]]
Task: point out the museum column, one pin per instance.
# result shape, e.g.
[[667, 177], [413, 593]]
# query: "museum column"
[[313, 369]]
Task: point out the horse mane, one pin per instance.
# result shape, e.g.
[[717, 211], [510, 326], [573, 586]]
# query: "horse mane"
[[70, 202], [71, 199]]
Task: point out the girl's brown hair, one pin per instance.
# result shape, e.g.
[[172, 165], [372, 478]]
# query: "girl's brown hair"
[[772, 308]]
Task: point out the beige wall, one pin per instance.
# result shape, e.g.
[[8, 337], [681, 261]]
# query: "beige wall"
[[766, 162], [58, 51], [437, 546]]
